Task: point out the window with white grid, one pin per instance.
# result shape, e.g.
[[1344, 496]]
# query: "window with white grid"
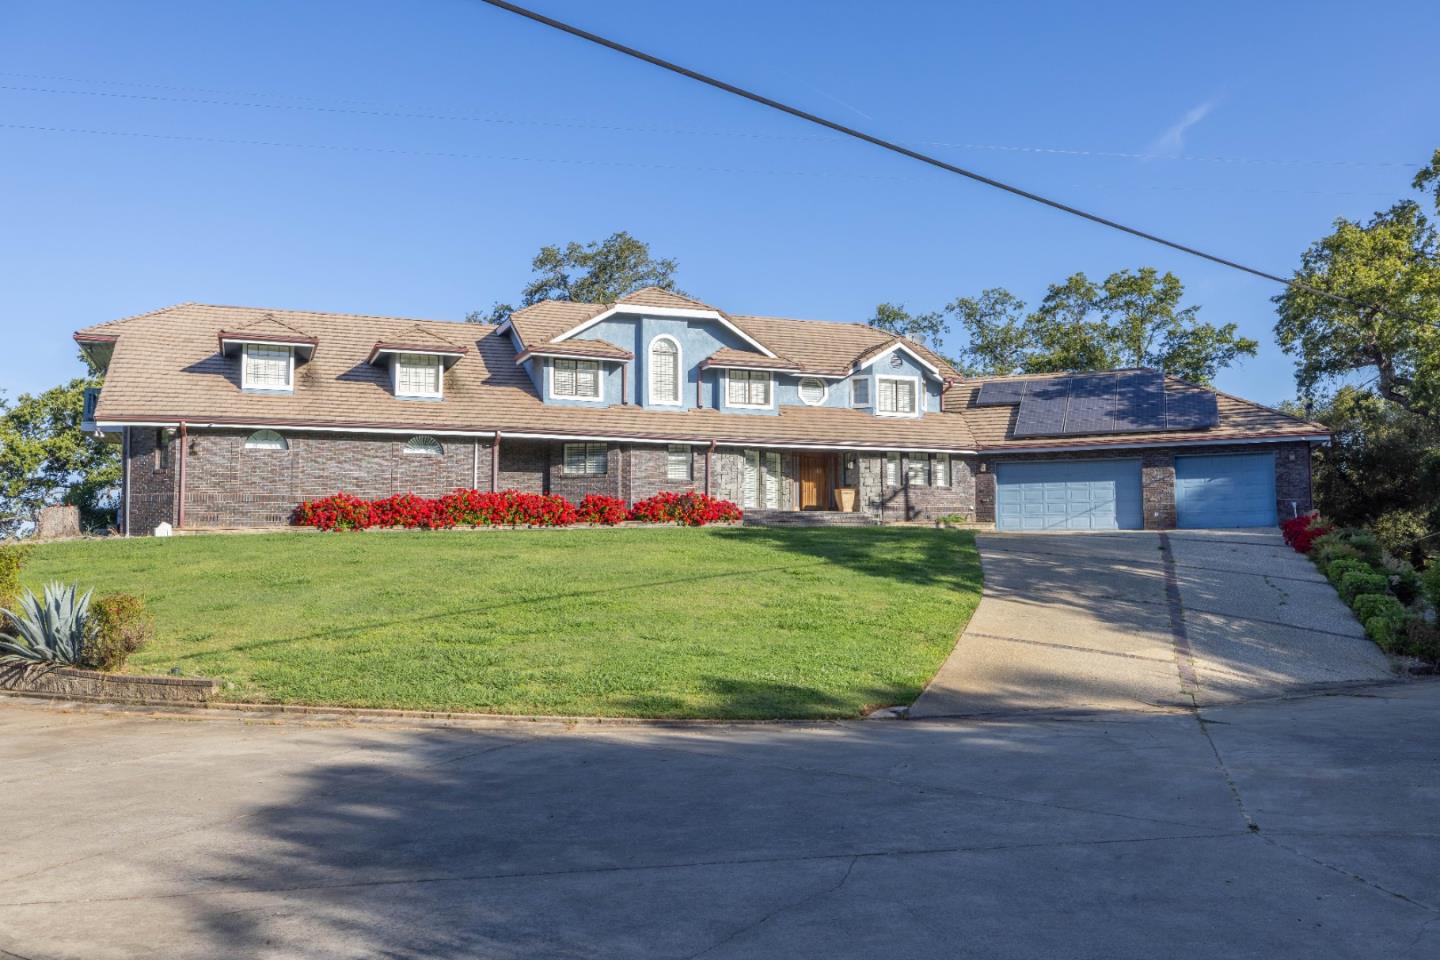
[[748, 388], [677, 462], [586, 459], [417, 375], [266, 368], [576, 379], [896, 396]]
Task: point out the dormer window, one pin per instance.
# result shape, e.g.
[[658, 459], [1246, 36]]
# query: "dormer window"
[[748, 388], [665, 370], [269, 368], [418, 375], [896, 396], [575, 379]]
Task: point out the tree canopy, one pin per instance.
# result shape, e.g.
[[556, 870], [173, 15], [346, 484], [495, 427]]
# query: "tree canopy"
[[597, 272], [1390, 264], [1130, 319], [45, 458]]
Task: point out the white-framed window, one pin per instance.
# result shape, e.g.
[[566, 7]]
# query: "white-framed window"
[[860, 392], [264, 367], [897, 396], [762, 486], [773, 476], [423, 446], [575, 379], [418, 375], [747, 388], [266, 440], [677, 462], [892, 469], [940, 470], [812, 391], [917, 469], [665, 370], [750, 480], [586, 459]]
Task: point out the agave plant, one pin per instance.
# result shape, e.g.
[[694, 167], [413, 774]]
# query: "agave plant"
[[52, 631]]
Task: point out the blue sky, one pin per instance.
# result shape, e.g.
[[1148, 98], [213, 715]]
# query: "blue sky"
[[442, 142]]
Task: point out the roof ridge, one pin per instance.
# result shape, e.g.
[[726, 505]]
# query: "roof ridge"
[[137, 316], [327, 313]]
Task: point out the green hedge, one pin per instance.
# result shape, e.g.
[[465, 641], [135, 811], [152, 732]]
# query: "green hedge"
[[1354, 583]]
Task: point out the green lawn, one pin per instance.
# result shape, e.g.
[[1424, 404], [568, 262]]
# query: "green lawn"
[[719, 622]]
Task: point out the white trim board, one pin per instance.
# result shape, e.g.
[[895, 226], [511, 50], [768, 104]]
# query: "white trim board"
[[632, 308]]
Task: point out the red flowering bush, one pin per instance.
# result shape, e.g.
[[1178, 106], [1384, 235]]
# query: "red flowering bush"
[[507, 508], [1301, 532], [686, 509], [408, 510], [599, 510], [343, 511]]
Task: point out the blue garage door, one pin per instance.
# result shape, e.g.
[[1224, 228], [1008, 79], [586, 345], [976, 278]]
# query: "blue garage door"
[[1225, 491], [1068, 495]]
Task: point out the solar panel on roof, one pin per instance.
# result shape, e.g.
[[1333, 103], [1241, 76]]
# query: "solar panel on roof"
[[1190, 408], [1093, 403], [995, 393], [1042, 412], [1142, 402]]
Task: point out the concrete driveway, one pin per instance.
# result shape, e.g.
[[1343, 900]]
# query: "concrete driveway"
[[1142, 620], [1306, 828]]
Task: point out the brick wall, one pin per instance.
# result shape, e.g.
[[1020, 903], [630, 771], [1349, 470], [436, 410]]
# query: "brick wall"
[[647, 472], [227, 485], [152, 480], [1293, 490], [904, 501], [524, 466], [574, 488]]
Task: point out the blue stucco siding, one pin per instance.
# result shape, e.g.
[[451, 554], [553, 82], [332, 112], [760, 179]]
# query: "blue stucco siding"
[[906, 367], [698, 339], [531, 368]]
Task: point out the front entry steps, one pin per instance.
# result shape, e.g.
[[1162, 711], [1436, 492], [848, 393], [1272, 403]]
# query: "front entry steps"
[[807, 518]]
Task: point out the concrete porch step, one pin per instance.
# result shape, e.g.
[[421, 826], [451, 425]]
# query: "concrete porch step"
[[807, 518]]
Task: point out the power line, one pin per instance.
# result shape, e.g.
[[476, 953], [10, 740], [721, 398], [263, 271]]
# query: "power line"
[[370, 108], [915, 154], [583, 161]]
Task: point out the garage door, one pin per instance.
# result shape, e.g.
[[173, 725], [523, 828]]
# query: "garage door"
[[1225, 491], [1068, 495]]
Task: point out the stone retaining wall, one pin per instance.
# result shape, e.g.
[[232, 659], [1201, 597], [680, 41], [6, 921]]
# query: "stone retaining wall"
[[92, 685]]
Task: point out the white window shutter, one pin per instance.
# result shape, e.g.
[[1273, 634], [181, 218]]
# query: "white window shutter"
[[892, 469], [941, 470], [773, 476]]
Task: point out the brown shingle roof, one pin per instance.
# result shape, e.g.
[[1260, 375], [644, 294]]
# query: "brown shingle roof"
[[992, 426], [602, 349], [546, 320], [827, 348], [728, 357], [416, 338], [267, 328], [166, 368], [660, 297]]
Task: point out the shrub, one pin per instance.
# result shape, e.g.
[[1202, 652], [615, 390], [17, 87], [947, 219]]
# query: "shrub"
[[342, 511], [1399, 530], [1352, 584], [1384, 618], [1404, 581], [12, 560], [1430, 583], [1326, 554], [1337, 569], [48, 631], [118, 626], [599, 510], [1362, 541], [1422, 640], [1302, 531], [686, 509]]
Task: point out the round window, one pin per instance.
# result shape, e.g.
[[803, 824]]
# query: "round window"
[[424, 446], [812, 390]]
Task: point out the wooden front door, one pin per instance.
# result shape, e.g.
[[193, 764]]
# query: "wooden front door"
[[814, 483]]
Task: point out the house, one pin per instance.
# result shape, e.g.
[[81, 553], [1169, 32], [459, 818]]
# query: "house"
[[230, 416]]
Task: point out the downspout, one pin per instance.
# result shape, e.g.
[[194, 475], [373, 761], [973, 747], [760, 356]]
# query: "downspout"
[[495, 464], [475, 466], [180, 506], [125, 481], [709, 465], [624, 384], [699, 378]]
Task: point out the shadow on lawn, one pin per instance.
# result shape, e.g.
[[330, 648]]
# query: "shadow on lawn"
[[733, 698], [908, 555]]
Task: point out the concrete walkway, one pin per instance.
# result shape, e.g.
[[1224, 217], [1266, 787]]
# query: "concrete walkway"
[[1275, 830], [1140, 620]]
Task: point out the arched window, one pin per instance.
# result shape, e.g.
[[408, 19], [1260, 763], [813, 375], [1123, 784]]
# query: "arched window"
[[665, 370], [813, 390], [424, 446], [266, 440]]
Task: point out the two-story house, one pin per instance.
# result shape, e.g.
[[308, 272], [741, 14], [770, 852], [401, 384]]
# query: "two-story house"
[[230, 416]]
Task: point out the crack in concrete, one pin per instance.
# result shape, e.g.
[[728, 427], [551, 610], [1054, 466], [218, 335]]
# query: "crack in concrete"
[[784, 908]]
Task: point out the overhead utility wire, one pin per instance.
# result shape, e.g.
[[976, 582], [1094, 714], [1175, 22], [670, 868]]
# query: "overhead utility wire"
[[369, 108], [915, 154]]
